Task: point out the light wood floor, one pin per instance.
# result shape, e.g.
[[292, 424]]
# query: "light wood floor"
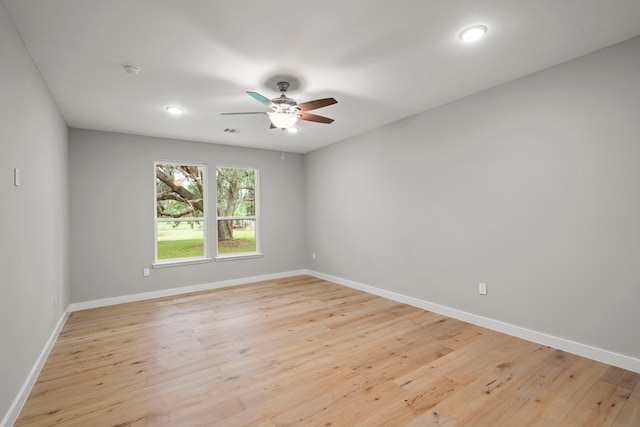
[[302, 351]]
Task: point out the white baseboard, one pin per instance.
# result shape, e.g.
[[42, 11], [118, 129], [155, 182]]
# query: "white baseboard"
[[14, 410], [584, 350], [182, 290]]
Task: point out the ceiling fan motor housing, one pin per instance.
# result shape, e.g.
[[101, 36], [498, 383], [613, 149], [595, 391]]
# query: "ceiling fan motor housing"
[[284, 104]]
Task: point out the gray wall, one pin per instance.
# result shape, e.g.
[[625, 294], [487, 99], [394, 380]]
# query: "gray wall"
[[112, 196], [34, 255], [532, 187]]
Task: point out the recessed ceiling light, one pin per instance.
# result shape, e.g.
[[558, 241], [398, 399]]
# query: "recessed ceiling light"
[[175, 110], [473, 33]]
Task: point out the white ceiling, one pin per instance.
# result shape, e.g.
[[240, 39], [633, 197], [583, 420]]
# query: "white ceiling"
[[382, 60]]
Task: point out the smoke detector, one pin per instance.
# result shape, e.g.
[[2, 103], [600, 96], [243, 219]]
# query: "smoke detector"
[[131, 69]]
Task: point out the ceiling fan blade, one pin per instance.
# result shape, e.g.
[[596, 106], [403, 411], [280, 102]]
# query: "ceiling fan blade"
[[249, 112], [316, 103], [260, 98], [315, 118]]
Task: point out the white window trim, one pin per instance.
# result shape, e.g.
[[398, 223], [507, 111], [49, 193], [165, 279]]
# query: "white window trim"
[[173, 262], [240, 255]]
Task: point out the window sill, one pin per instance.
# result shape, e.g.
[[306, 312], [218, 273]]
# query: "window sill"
[[233, 257], [177, 263]]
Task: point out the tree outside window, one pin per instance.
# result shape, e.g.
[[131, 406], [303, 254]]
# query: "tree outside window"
[[180, 211], [236, 211]]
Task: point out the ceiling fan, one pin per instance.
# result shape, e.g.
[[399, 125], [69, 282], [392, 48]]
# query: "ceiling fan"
[[286, 112]]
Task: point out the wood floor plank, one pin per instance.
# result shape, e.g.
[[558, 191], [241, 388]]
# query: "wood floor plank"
[[301, 351], [521, 386], [559, 399], [630, 413], [599, 407]]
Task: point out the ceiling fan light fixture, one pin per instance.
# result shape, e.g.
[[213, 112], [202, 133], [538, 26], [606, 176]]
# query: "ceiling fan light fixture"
[[473, 33], [283, 120]]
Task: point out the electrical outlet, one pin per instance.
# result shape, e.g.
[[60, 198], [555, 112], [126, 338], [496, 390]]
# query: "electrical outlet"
[[313, 255], [146, 272], [482, 288]]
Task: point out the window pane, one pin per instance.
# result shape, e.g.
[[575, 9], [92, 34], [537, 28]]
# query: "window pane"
[[236, 192], [180, 239], [180, 213], [242, 234], [236, 205], [179, 191]]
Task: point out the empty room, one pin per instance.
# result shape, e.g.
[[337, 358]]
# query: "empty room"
[[337, 213]]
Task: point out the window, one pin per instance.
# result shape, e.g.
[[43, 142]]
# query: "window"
[[237, 212], [180, 212]]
